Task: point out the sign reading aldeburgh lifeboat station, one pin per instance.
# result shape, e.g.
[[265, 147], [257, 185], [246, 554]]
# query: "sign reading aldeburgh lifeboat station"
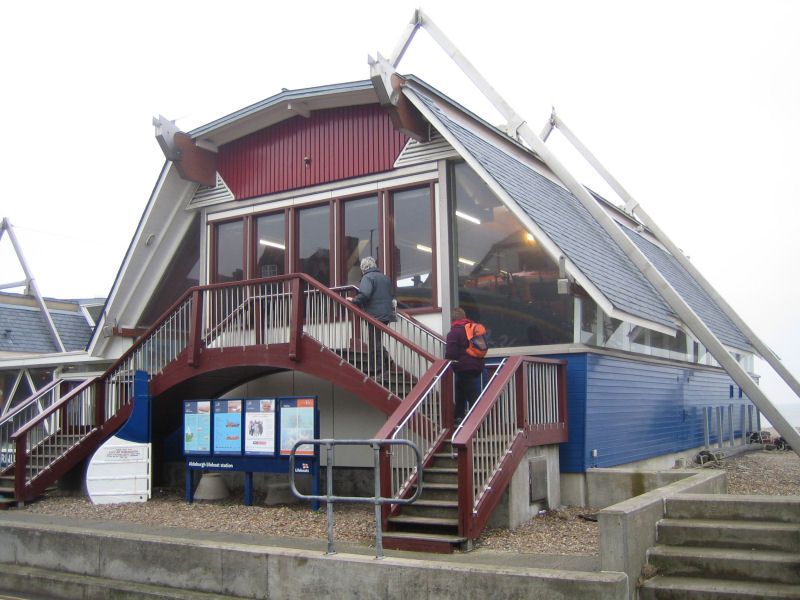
[[250, 435]]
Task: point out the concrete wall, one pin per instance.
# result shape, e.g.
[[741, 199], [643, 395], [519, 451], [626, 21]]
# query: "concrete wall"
[[515, 507], [244, 567], [628, 529]]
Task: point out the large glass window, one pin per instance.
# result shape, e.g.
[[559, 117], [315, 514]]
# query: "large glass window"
[[229, 259], [182, 273], [314, 247], [505, 279], [270, 245], [361, 235], [414, 245]]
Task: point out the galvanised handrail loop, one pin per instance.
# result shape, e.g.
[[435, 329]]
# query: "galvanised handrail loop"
[[377, 500]]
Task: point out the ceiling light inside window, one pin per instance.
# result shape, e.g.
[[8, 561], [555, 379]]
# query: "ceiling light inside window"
[[272, 244], [466, 217]]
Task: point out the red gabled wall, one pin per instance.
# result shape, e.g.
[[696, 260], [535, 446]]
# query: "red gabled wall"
[[339, 143]]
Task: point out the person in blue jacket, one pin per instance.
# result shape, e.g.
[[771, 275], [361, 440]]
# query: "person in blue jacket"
[[375, 296]]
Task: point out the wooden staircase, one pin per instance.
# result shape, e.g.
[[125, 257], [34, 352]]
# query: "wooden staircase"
[[431, 523]]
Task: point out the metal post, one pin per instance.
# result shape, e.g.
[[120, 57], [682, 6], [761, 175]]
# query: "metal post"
[[376, 451], [744, 429], [758, 420], [706, 427], [329, 490], [720, 435], [730, 425]]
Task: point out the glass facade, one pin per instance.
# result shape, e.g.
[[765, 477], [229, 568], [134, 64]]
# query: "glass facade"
[[182, 273], [361, 236], [505, 279], [270, 245], [229, 259], [314, 244], [414, 247]]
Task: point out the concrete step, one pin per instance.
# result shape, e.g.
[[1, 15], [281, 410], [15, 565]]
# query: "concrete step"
[[761, 535], [695, 588], [717, 563], [66, 586], [432, 508], [729, 507]]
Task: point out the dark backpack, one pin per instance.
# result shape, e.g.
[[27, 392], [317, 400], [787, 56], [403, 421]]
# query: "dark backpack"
[[477, 339]]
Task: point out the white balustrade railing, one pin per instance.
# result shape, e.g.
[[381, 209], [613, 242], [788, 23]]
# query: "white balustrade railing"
[[22, 414], [419, 335], [493, 437], [50, 437], [424, 426], [502, 423], [543, 401]]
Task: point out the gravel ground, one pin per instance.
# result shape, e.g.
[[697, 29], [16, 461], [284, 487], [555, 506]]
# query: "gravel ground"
[[555, 532]]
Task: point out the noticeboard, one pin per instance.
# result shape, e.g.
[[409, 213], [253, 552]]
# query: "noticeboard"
[[249, 428]]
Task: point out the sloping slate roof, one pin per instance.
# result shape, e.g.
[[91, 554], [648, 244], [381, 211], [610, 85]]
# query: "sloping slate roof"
[[700, 302], [564, 219], [23, 329]]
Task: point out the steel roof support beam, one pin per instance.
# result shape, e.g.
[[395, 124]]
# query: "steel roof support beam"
[[516, 123], [30, 284]]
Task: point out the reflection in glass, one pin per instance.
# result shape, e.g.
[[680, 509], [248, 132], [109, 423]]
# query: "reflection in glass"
[[314, 243], [229, 261], [270, 246], [360, 236], [182, 273], [505, 278], [413, 247]]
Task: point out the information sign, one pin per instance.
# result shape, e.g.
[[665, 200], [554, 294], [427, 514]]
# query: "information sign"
[[297, 423], [259, 435], [227, 426], [197, 427]]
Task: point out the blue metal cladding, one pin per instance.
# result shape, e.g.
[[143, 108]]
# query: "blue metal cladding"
[[629, 410]]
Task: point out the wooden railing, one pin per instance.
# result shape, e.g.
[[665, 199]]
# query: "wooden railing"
[[276, 310], [22, 414], [425, 417], [524, 405], [49, 435]]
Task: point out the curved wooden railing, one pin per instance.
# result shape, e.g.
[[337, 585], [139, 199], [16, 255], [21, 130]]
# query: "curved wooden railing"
[[275, 310], [523, 405]]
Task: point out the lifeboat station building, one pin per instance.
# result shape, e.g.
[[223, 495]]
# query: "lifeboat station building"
[[236, 285]]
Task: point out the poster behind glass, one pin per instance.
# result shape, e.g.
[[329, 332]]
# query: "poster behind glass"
[[297, 423], [227, 426], [197, 427], [259, 434]]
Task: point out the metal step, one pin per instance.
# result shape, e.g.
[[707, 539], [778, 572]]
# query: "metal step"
[[696, 588], [718, 563], [418, 521], [762, 535], [439, 491]]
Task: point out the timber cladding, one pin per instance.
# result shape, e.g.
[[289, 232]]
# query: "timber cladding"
[[329, 145]]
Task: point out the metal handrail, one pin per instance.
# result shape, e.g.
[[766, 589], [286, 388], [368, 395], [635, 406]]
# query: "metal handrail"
[[377, 500]]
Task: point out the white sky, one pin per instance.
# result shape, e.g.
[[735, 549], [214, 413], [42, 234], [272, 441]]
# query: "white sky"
[[693, 106]]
